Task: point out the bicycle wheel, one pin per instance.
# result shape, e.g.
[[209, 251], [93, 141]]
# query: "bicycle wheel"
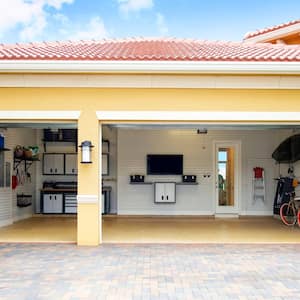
[[288, 214]]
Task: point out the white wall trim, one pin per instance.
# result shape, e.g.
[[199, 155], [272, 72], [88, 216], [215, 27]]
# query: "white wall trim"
[[39, 115], [198, 116], [275, 34], [256, 213], [6, 222], [166, 213], [211, 81], [175, 67], [87, 199]]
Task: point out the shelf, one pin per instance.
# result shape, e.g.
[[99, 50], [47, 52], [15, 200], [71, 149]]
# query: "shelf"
[[177, 183], [59, 141], [141, 183], [28, 162], [4, 149]]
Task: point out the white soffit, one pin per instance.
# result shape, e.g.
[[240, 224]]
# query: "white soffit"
[[39, 115], [202, 116]]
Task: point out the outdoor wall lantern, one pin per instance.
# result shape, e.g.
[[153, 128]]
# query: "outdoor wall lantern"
[[86, 151]]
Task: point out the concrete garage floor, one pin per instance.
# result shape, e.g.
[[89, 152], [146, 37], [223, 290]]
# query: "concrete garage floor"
[[121, 229]]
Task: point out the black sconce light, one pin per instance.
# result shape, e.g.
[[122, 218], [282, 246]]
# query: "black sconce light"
[[86, 151]]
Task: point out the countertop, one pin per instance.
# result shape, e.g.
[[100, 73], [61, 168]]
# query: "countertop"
[[52, 190]]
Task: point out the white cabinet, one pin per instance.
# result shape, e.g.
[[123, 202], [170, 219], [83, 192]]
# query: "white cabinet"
[[71, 163], [164, 192], [53, 203], [53, 164]]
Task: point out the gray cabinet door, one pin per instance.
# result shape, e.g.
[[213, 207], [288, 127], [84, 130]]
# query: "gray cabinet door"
[[159, 192], [47, 203], [170, 192], [57, 200], [53, 164], [71, 164]]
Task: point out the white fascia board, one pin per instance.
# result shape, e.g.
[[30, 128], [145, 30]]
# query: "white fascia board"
[[39, 115], [275, 34], [159, 67], [203, 116]]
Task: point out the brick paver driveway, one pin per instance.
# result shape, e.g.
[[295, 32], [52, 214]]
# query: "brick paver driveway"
[[216, 271]]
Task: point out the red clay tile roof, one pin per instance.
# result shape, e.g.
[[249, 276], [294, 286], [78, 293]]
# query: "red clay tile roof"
[[165, 49], [269, 29]]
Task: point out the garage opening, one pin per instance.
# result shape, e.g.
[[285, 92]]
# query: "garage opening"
[[193, 182], [38, 182]]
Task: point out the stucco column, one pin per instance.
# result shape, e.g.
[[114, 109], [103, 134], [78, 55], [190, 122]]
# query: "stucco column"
[[89, 216]]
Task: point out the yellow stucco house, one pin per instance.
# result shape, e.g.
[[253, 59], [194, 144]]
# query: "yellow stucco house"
[[212, 107]]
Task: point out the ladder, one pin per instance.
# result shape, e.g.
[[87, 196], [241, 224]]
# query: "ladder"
[[258, 184]]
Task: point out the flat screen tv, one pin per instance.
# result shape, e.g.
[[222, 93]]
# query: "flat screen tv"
[[164, 164]]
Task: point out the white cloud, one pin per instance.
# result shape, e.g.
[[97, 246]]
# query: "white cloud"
[[95, 29], [161, 24], [30, 15], [127, 6]]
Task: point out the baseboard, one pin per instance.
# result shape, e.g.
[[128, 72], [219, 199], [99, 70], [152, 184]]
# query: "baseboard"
[[6, 222], [165, 213], [22, 217], [225, 216], [256, 213]]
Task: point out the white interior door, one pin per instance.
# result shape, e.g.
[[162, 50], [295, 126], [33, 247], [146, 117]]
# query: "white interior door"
[[227, 177]]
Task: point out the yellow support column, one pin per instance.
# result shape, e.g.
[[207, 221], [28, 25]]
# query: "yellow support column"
[[89, 216]]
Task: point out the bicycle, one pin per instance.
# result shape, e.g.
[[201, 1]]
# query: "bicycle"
[[290, 211]]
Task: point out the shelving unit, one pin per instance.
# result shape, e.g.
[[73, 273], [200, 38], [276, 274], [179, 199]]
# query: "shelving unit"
[[27, 162]]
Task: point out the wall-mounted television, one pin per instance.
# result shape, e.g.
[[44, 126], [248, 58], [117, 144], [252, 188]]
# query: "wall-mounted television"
[[164, 164]]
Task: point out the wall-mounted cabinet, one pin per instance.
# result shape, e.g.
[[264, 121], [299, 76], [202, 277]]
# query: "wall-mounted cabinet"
[[53, 164], [164, 192], [60, 164], [60, 135]]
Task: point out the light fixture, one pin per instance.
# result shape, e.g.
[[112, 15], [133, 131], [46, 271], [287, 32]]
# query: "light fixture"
[[86, 150]]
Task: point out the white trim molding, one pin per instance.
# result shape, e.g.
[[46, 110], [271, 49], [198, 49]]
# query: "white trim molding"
[[164, 213], [39, 115], [203, 116], [274, 34], [149, 67], [256, 213], [87, 199]]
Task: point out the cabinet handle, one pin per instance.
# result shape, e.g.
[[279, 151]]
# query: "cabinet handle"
[[51, 170], [50, 197], [54, 197], [167, 197], [72, 170], [162, 197], [55, 170]]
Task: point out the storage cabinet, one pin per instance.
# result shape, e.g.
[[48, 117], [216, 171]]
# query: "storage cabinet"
[[164, 192], [53, 164], [71, 164], [52, 203]]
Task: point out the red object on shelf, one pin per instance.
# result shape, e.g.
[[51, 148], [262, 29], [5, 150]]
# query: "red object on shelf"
[[258, 172]]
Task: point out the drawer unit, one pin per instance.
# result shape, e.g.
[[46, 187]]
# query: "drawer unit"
[[70, 203]]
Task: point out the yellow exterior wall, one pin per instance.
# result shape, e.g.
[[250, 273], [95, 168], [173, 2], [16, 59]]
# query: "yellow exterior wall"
[[86, 99], [89, 100]]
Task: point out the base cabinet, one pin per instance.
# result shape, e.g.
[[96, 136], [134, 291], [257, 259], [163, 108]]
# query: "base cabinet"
[[164, 192], [53, 203], [59, 203]]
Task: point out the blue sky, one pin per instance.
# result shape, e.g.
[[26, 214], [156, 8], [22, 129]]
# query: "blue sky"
[[48, 20]]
